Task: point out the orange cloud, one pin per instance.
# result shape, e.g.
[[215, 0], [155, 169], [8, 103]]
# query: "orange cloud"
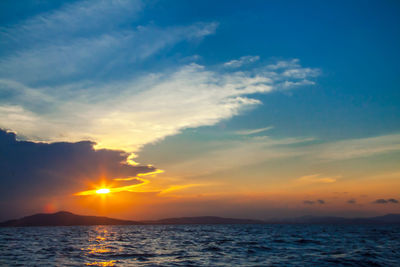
[[177, 187], [157, 171], [317, 178], [128, 188]]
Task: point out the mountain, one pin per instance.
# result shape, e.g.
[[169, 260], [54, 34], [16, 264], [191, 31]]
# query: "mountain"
[[204, 220], [385, 219], [388, 218], [64, 218]]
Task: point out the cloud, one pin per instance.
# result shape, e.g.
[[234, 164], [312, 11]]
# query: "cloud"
[[284, 64], [351, 201], [99, 57], [86, 41], [145, 110], [301, 73], [79, 18], [31, 172], [137, 182], [312, 202], [358, 148], [254, 131], [386, 201], [178, 187], [236, 152], [317, 178], [236, 63], [246, 150], [81, 75]]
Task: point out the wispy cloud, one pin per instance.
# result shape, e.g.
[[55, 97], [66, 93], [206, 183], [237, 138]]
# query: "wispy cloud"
[[236, 63], [96, 58], [284, 64], [318, 178], [237, 153], [145, 110], [80, 18], [254, 131], [351, 201], [386, 201], [178, 187], [356, 148], [312, 202], [86, 41], [76, 78]]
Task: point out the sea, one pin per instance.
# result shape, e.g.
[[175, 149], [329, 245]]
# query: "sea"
[[202, 245]]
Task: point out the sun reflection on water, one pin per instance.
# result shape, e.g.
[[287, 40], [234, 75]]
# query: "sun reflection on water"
[[101, 263], [100, 238], [95, 249], [98, 246]]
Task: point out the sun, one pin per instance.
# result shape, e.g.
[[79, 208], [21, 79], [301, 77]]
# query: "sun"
[[103, 191]]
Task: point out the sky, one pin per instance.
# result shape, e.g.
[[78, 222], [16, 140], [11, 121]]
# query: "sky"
[[260, 109]]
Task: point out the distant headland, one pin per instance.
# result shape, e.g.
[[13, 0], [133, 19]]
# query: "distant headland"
[[64, 218]]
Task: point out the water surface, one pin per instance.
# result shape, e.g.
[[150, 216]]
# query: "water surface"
[[201, 245]]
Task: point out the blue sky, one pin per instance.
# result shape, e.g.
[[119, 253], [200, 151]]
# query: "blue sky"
[[213, 92], [354, 44]]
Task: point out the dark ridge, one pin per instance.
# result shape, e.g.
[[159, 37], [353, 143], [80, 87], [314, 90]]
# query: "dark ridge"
[[309, 219], [64, 218], [204, 220]]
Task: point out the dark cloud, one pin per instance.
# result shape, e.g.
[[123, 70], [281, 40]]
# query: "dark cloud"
[[312, 202], [351, 201], [386, 201], [30, 170]]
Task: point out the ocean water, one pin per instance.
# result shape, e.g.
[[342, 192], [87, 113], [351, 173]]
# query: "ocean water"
[[201, 245]]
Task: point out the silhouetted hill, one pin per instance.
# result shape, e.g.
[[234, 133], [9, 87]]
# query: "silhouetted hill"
[[388, 218], [64, 218], [204, 220], [385, 219]]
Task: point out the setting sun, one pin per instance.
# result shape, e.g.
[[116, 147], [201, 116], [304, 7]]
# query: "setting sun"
[[103, 191]]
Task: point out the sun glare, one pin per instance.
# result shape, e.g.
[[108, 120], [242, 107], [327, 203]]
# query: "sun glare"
[[103, 191]]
